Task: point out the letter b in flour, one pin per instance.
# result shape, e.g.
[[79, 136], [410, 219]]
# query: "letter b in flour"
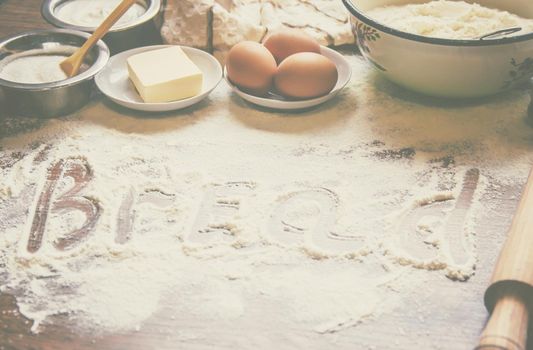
[[79, 171]]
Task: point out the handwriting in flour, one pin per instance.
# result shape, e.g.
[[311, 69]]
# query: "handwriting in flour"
[[436, 227], [79, 171], [305, 218], [218, 207], [128, 210], [308, 217]]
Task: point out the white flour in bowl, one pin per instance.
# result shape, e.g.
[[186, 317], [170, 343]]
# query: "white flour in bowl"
[[449, 19], [33, 69], [250, 227], [91, 13]]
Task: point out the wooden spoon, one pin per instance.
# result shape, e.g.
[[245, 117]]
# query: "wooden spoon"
[[72, 64]]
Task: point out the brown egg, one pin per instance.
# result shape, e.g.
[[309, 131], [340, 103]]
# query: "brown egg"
[[251, 67], [306, 75], [286, 43]]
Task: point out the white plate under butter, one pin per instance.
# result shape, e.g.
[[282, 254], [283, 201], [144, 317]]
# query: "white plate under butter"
[[275, 101], [114, 81]]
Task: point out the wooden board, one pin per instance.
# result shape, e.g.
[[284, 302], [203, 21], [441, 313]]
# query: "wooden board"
[[450, 316]]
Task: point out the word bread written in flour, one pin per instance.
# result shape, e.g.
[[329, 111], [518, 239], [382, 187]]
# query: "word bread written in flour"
[[217, 25], [430, 234]]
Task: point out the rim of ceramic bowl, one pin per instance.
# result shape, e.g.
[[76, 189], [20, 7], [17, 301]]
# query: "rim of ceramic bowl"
[[97, 66], [354, 10], [48, 8]]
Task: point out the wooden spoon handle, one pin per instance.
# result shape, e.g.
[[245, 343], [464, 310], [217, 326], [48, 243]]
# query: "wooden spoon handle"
[[507, 326], [106, 25]]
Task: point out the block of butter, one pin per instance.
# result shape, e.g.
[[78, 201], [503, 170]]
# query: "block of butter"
[[164, 75]]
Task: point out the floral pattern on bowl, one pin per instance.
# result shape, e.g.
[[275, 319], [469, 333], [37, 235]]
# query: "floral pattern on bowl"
[[519, 73], [364, 36]]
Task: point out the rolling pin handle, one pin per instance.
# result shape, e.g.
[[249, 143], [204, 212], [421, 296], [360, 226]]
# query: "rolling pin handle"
[[507, 326]]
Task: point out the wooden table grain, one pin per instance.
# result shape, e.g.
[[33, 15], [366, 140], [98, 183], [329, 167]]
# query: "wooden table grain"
[[449, 318], [20, 15]]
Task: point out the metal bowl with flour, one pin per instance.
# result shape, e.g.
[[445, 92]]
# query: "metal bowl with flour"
[[450, 68], [136, 28], [29, 89]]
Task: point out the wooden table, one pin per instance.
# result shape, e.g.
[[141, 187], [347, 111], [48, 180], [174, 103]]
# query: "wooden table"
[[19, 16], [451, 317]]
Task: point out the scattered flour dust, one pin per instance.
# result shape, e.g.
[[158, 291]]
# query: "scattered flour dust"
[[449, 19], [319, 221]]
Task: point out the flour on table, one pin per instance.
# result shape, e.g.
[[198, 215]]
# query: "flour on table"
[[449, 19], [320, 221]]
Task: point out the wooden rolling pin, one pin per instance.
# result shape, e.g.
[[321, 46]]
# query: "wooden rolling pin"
[[510, 296]]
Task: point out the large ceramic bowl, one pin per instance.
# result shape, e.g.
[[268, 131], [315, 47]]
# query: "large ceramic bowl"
[[54, 98], [445, 67], [139, 32]]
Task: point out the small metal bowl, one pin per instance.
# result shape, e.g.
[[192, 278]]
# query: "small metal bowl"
[[139, 32], [55, 98]]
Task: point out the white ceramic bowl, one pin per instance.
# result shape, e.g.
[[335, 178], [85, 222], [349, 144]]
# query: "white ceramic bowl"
[[445, 67]]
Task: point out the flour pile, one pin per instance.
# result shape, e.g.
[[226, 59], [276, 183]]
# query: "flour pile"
[[34, 69], [449, 19], [230, 215]]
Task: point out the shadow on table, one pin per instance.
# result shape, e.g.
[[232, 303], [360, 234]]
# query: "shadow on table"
[[399, 117], [15, 125], [305, 120], [384, 85], [110, 115]]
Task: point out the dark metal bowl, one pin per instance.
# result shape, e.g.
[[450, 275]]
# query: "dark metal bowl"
[[55, 98], [140, 32]]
